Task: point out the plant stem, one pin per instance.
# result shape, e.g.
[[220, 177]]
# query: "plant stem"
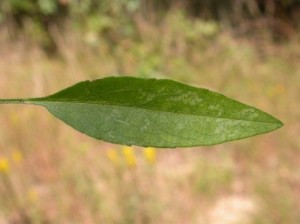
[[12, 101]]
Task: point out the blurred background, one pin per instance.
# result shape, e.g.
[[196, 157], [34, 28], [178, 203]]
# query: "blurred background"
[[246, 49]]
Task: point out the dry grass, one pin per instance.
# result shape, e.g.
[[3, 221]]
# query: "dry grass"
[[52, 174]]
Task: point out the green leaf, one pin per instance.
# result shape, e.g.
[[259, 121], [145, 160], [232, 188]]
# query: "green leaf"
[[154, 112]]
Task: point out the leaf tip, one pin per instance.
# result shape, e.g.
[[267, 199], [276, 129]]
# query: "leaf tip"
[[280, 124]]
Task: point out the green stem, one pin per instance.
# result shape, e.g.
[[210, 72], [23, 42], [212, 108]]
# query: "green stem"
[[13, 101]]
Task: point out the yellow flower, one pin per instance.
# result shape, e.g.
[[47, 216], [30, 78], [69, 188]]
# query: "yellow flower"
[[113, 156], [17, 156], [150, 155], [4, 165], [129, 155]]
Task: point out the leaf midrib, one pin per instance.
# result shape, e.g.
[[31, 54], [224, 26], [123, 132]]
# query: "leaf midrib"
[[93, 103]]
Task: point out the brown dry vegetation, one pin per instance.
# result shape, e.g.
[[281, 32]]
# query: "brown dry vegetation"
[[50, 173]]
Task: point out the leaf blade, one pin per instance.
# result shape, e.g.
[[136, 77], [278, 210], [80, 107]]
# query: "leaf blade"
[[158, 113]]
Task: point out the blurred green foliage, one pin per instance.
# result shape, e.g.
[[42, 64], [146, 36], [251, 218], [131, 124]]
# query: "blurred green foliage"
[[120, 16], [209, 9]]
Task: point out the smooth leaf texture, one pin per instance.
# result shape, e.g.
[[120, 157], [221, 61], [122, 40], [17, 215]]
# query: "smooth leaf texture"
[[154, 112]]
